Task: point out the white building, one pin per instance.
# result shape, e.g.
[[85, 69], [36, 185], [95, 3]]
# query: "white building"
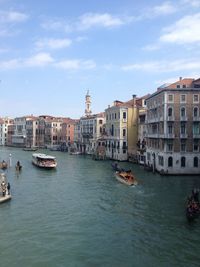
[[4, 123], [91, 129], [19, 136]]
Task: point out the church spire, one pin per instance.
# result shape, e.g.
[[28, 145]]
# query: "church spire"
[[88, 111]]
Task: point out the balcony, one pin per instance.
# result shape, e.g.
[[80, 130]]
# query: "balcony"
[[196, 135], [196, 118], [87, 135], [183, 118], [169, 135], [183, 135], [152, 135], [170, 118]]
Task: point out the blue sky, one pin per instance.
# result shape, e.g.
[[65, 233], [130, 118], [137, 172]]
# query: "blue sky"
[[52, 52]]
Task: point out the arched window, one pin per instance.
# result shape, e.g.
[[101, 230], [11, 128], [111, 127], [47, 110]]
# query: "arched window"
[[182, 112], [170, 162], [195, 112], [196, 162], [170, 111], [182, 161]]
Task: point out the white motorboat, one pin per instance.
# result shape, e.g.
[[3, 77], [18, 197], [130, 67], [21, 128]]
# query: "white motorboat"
[[44, 161]]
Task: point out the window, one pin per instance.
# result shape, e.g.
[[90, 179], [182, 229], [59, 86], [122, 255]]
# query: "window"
[[160, 160], [124, 132], [195, 112], [196, 98], [170, 162], [170, 146], [183, 146], [178, 86], [112, 130], [196, 128], [196, 162], [170, 128], [170, 112], [124, 147], [182, 112], [170, 98], [182, 161], [196, 146], [183, 128], [124, 115], [184, 85], [183, 98]]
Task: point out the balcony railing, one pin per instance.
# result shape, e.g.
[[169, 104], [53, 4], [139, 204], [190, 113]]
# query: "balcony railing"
[[196, 118], [196, 135], [183, 118], [170, 118], [183, 135]]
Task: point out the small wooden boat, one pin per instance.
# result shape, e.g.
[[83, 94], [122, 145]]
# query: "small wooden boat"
[[126, 177], [5, 198], [193, 206], [4, 189], [3, 165]]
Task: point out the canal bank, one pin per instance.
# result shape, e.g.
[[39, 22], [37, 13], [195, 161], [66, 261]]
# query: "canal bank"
[[80, 215]]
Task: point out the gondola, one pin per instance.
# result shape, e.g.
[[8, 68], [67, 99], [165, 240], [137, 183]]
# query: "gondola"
[[193, 206]]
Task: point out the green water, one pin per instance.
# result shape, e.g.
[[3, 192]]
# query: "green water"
[[80, 215]]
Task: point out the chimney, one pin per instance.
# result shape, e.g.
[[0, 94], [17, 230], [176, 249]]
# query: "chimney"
[[180, 79], [134, 96]]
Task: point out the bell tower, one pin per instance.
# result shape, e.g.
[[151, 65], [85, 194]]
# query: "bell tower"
[[88, 111]]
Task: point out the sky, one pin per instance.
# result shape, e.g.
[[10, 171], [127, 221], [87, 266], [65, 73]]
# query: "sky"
[[52, 52]]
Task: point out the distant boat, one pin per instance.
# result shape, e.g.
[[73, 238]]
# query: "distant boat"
[[44, 161], [76, 153], [3, 165], [30, 148], [4, 189], [126, 177]]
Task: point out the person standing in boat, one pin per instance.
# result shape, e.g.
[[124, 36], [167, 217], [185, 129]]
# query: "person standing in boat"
[[8, 188], [3, 187]]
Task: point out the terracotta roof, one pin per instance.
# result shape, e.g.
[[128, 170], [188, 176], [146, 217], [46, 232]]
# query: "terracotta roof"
[[186, 81]]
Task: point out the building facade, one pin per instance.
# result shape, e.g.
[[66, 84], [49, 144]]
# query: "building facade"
[[173, 128]]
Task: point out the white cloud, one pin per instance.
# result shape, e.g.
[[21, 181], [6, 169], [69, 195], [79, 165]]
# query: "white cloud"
[[45, 60], [152, 47], [53, 43], [193, 3], [86, 22], [164, 66], [12, 16], [106, 20], [76, 64], [40, 59], [56, 25], [9, 64], [185, 30], [165, 8]]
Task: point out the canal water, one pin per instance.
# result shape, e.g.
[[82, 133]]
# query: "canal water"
[[80, 215]]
